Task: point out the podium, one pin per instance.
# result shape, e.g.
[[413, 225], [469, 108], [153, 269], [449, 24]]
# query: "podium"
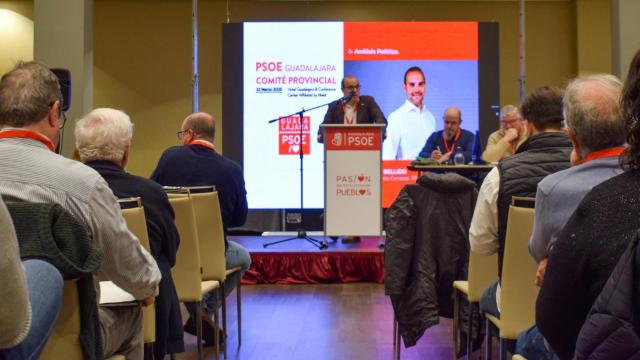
[[352, 179]]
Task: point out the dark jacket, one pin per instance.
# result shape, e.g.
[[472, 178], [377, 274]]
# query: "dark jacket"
[[50, 233], [368, 113], [542, 154], [427, 249], [196, 165], [583, 258], [611, 328], [164, 241]]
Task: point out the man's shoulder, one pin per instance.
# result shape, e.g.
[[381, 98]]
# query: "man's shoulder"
[[467, 133], [230, 164], [559, 180], [366, 99], [145, 183], [175, 150], [70, 173]]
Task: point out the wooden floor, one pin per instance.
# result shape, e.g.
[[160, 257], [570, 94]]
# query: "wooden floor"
[[335, 321]]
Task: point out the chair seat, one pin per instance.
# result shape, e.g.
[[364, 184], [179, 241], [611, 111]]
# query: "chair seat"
[[232, 270], [207, 286], [462, 286], [518, 357]]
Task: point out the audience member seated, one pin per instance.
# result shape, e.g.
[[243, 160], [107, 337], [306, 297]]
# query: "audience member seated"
[[597, 132], [32, 295], [545, 152], [442, 145], [30, 171], [506, 140], [592, 241], [103, 140], [197, 163], [426, 250]]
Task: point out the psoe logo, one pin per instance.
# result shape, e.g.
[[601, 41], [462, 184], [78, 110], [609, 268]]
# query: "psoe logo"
[[337, 139]]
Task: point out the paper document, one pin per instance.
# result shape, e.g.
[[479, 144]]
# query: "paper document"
[[112, 295]]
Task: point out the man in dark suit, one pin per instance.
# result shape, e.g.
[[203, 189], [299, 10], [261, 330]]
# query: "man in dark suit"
[[103, 138], [197, 163], [357, 110]]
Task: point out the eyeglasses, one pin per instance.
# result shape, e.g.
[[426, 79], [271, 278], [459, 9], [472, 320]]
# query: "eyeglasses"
[[180, 134], [63, 120], [353, 87]]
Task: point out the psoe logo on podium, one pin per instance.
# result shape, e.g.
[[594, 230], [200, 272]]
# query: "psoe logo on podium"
[[337, 139], [356, 139]]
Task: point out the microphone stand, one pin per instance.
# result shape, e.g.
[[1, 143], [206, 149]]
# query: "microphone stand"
[[302, 234]]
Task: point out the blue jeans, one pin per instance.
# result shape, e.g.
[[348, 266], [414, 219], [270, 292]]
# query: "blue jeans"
[[488, 303], [45, 286], [236, 255], [532, 345]]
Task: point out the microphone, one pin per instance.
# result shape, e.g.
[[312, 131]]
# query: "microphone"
[[348, 98]]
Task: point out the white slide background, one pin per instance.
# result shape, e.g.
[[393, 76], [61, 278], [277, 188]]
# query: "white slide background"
[[273, 180]]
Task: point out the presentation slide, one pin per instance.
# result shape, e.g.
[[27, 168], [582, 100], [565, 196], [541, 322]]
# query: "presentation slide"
[[294, 66]]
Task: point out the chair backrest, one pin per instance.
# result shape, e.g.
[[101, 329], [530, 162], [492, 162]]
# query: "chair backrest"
[[483, 270], [137, 224], [518, 289], [64, 341], [187, 272], [206, 206]]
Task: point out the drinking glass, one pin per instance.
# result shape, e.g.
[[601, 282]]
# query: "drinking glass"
[[459, 159]]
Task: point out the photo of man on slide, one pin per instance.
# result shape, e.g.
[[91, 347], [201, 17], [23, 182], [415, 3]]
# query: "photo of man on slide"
[[411, 124], [352, 108]]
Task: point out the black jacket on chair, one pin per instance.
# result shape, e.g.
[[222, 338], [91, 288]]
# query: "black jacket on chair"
[[427, 249], [611, 330]]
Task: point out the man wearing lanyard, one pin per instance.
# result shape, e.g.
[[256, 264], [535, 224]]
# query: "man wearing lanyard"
[[353, 108], [442, 145], [197, 163], [598, 133], [30, 171]]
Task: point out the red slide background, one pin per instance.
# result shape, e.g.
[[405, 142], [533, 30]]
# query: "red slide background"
[[412, 40]]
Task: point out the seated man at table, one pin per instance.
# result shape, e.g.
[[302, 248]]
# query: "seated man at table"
[[443, 145], [103, 140], [506, 140]]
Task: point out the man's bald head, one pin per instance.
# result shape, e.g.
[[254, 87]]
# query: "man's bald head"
[[452, 118], [201, 124]]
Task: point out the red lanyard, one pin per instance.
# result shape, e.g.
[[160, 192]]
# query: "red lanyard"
[[349, 120], [617, 151], [453, 146], [27, 134], [206, 144]]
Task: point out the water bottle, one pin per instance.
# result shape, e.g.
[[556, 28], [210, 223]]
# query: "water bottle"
[[476, 150]]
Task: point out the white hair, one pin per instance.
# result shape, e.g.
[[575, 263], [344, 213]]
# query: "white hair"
[[508, 110], [591, 108], [103, 134]]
